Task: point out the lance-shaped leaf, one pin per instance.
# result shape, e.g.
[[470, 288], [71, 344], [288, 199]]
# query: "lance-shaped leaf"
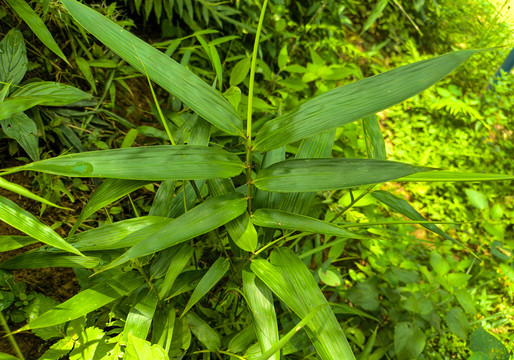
[[141, 314], [24, 221], [24, 130], [13, 62], [211, 278], [330, 174], [356, 100], [404, 208], [203, 218], [18, 189], [51, 93], [260, 302], [278, 219], [47, 259], [13, 106], [37, 26], [12, 242], [292, 282], [149, 163], [110, 191], [203, 332], [454, 176], [179, 259], [170, 75], [375, 145], [88, 300]]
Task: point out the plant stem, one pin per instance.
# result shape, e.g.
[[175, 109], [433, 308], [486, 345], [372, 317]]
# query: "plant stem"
[[10, 337], [249, 148]]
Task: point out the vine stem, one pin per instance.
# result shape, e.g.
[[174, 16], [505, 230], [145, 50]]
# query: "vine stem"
[[249, 148]]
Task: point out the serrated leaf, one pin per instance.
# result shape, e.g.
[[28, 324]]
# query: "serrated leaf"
[[304, 175], [88, 300], [354, 101], [27, 223], [87, 344], [211, 278], [149, 163], [164, 71], [37, 26], [13, 57]]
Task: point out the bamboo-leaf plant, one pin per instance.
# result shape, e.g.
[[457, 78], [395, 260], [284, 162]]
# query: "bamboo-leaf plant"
[[247, 214]]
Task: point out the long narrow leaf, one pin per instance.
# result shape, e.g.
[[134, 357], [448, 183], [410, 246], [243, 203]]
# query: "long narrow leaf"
[[37, 26], [179, 259], [404, 208], [452, 176], [330, 174], [12, 242], [375, 145], [26, 222], [88, 300], [47, 259], [211, 278], [110, 191], [18, 189], [284, 220], [292, 282], [356, 100], [203, 332], [150, 163], [260, 302], [170, 75], [50, 93], [140, 316], [205, 217]]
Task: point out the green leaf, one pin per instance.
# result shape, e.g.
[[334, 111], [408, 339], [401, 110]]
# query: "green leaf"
[[88, 300], [278, 219], [457, 322], [26, 222], [5, 356], [203, 332], [375, 13], [24, 130], [85, 68], [18, 189], [404, 208], [357, 100], [365, 294], [466, 301], [330, 174], [36, 25], [205, 217], [87, 344], [179, 259], [50, 93], [242, 339], [292, 282], [483, 341], [164, 71], [409, 341], [13, 58], [46, 259], [211, 278], [149, 163], [452, 176], [140, 349], [477, 199], [375, 145], [108, 192], [14, 106], [141, 313], [283, 58], [12, 242], [260, 302], [240, 71]]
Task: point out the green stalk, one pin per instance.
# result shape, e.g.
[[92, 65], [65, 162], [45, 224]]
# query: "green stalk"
[[249, 149], [10, 337]]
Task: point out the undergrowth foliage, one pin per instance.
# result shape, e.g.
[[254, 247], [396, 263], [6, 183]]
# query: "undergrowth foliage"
[[234, 258]]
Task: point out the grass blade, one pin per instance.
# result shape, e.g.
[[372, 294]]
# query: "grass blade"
[[260, 302], [18, 189], [330, 174], [356, 100], [289, 279], [205, 217], [211, 278], [88, 300], [24, 221], [141, 313], [47, 259], [109, 191], [179, 260], [203, 332], [164, 71], [150, 163], [404, 208], [37, 26], [278, 219], [375, 145], [12, 242]]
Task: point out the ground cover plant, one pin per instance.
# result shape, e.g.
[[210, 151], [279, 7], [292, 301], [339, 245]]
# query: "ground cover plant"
[[230, 258]]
